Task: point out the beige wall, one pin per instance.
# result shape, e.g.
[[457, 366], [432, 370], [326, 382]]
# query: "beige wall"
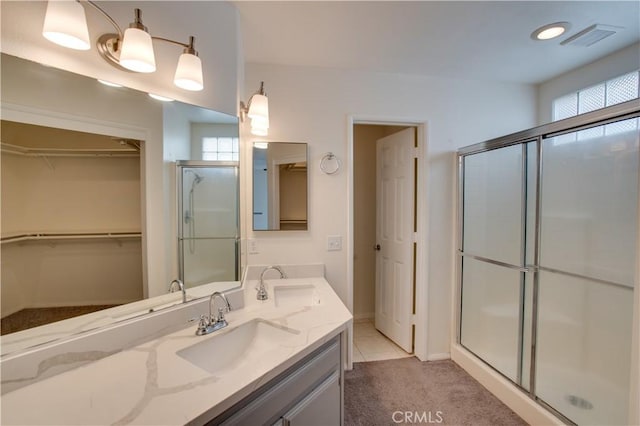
[[364, 231], [70, 195]]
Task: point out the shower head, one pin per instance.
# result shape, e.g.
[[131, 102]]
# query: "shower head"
[[197, 178]]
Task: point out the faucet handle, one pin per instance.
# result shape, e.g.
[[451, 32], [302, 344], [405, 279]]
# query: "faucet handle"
[[204, 322], [220, 314]]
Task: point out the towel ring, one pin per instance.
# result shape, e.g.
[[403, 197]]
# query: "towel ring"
[[329, 164]]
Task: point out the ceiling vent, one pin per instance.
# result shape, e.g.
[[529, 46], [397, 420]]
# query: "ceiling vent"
[[591, 35]]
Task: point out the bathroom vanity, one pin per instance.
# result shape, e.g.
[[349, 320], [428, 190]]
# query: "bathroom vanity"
[[279, 361]]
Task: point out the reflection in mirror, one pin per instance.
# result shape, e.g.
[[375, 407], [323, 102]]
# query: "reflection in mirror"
[[79, 159], [71, 234], [208, 226], [280, 186]]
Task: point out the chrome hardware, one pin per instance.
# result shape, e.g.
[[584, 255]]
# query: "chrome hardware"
[[262, 291], [180, 287], [209, 324]]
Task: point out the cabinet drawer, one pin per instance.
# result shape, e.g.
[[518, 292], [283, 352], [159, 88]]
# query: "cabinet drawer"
[[266, 405]]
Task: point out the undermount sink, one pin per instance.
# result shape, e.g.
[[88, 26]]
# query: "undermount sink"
[[295, 295], [232, 347]]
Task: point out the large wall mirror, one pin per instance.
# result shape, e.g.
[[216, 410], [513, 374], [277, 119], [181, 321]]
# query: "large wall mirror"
[[280, 186], [81, 162]]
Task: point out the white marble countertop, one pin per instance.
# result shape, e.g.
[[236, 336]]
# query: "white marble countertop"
[[152, 384]]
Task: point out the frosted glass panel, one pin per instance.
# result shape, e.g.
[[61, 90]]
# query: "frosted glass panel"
[[209, 224], [589, 205], [584, 348], [490, 314], [210, 202], [493, 204], [211, 260]]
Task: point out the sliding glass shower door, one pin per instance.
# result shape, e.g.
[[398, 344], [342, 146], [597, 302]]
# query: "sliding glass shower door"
[[208, 231], [548, 253], [588, 222], [494, 192]]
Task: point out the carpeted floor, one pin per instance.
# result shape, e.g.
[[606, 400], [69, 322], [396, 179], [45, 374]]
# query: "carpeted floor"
[[34, 317], [408, 391]]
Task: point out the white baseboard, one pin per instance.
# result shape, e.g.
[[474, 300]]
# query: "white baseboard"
[[439, 357], [364, 317], [504, 390]]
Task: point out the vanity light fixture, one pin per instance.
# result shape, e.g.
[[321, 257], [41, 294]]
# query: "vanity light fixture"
[[550, 31], [108, 83], [257, 109], [129, 50], [160, 98]]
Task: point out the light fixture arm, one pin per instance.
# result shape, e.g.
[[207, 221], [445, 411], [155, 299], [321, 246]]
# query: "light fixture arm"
[[188, 47], [106, 15]]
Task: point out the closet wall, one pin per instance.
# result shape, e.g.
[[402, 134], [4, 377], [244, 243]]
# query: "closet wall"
[[64, 194]]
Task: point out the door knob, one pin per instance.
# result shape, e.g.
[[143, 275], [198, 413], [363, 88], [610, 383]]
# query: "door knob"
[[377, 247]]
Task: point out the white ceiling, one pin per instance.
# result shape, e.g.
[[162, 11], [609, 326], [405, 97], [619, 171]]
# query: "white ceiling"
[[471, 40]]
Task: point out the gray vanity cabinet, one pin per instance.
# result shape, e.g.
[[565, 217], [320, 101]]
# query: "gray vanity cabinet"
[[317, 408], [307, 394]]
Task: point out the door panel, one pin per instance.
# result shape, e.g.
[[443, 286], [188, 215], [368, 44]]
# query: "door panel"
[[394, 218]]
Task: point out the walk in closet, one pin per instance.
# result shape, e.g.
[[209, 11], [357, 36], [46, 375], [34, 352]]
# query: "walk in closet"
[[71, 224]]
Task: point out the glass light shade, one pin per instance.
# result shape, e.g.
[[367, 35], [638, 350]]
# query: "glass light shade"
[[259, 131], [189, 73], [259, 107], [65, 24], [259, 126], [137, 51], [550, 33], [260, 122], [160, 98]]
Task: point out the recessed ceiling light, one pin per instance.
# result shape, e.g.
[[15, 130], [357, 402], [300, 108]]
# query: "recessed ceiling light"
[[160, 98], [550, 31], [108, 83]]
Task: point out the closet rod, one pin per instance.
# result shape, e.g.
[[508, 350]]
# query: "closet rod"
[[68, 236]]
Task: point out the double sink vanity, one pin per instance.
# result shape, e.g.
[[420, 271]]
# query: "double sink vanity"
[[278, 361]]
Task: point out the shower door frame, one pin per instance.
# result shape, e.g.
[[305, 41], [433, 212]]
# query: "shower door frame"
[[180, 164], [612, 114]]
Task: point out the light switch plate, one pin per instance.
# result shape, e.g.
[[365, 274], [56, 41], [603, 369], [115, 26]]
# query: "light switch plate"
[[253, 246], [334, 243]]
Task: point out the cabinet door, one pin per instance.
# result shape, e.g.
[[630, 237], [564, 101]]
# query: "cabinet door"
[[320, 408]]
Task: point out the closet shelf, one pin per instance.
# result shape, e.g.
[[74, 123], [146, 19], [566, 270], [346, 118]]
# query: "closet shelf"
[[68, 152], [69, 236]]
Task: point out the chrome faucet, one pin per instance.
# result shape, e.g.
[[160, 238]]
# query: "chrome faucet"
[[209, 324], [262, 291], [180, 287]]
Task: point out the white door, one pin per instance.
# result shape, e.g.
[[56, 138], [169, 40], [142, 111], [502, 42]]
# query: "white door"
[[394, 236]]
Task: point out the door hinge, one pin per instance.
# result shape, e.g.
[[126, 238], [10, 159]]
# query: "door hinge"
[[414, 237]]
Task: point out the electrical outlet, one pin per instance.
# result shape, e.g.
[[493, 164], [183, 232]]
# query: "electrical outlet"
[[334, 243], [253, 246]]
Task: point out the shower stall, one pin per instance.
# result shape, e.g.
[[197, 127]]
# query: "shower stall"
[[548, 229], [208, 221]]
